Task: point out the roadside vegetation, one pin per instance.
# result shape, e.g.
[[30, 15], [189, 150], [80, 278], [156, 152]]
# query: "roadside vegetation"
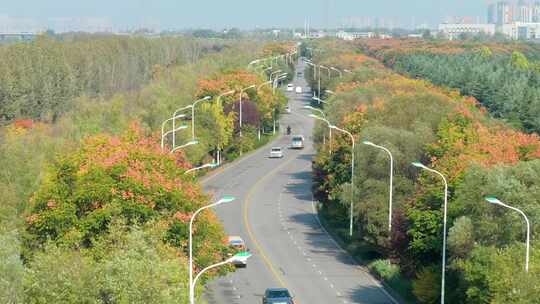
[[450, 132], [504, 78], [93, 210]]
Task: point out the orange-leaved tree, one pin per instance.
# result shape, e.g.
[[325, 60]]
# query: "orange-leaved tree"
[[124, 178]]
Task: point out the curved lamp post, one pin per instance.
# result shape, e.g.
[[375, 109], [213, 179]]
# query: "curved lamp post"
[[391, 179], [352, 175], [315, 76], [319, 100], [223, 95], [191, 143], [495, 201], [163, 133], [211, 165], [239, 257], [263, 84], [327, 68], [193, 115], [175, 115], [182, 127], [337, 70], [323, 118], [275, 72], [225, 199], [422, 166]]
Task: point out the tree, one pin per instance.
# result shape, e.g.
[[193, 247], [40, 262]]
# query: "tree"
[[461, 238], [427, 286], [519, 61]]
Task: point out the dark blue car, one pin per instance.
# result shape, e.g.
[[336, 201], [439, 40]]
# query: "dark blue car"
[[277, 296]]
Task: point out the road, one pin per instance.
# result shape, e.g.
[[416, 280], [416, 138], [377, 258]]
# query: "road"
[[275, 215]]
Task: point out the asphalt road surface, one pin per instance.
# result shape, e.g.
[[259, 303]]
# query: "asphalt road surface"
[[275, 215]]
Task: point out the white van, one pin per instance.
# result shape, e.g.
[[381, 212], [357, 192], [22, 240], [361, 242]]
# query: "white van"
[[297, 142], [298, 90]]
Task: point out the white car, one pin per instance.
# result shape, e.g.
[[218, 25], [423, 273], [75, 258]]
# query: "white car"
[[298, 90], [288, 109], [276, 152], [297, 142], [238, 244], [290, 87]]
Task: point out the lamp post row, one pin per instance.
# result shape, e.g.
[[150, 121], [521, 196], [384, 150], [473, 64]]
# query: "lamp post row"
[[226, 199], [491, 200]]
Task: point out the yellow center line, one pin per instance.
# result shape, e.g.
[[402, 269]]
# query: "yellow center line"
[[247, 202]]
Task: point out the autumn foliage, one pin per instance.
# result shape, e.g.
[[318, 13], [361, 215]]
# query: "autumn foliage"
[[111, 178], [451, 133]]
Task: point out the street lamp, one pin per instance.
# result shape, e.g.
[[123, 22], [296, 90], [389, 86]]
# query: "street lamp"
[[253, 62], [223, 95], [182, 127], [175, 114], [495, 201], [193, 142], [352, 174], [276, 81], [263, 84], [337, 70], [239, 257], [391, 179], [241, 93], [211, 165], [225, 199], [315, 75], [275, 72], [319, 100], [421, 166], [330, 92], [193, 115], [348, 71], [163, 134], [322, 119], [324, 67]]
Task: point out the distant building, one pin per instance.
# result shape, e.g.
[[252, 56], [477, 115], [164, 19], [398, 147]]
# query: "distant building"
[[317, 35], [354, 35], [492, 13], [536, 12], [521, 30], [524, 12], [17, 36], [454, 30], [504, 13]]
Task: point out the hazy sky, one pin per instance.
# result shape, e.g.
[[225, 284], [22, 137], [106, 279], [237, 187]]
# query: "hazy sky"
[[240, 13]]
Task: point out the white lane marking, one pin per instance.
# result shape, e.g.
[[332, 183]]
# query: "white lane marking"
[[378, 284]]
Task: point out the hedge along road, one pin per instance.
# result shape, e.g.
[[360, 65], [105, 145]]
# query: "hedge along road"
[[274, 214]]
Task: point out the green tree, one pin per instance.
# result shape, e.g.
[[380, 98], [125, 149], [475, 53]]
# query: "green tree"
[[427, 285], [461, 237]]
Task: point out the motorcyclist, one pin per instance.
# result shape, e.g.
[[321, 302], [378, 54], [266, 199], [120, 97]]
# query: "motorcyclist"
[[288, 130]]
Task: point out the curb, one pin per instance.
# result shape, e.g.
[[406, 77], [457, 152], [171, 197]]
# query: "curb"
[[395, 296]]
